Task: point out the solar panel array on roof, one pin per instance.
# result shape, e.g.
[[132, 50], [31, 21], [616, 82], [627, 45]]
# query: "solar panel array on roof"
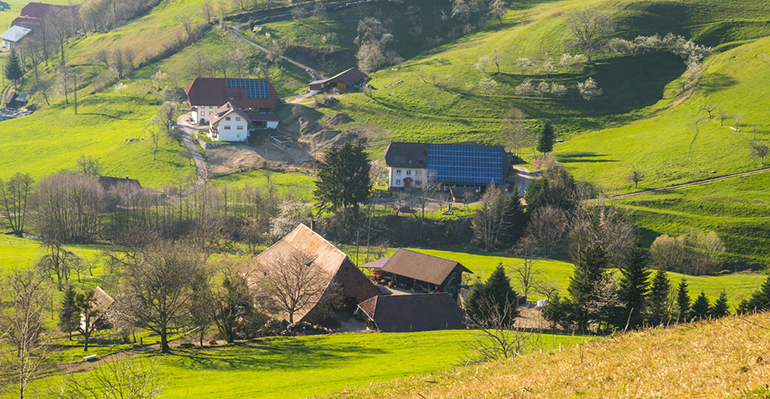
[[254, 88], [466, 164]]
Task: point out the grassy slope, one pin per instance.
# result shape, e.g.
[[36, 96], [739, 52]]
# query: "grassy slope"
[[719, 359], [306, 366], [738, 210]]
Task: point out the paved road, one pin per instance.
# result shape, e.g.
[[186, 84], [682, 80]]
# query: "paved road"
[[203, 175], [312, 72], [522, 179]]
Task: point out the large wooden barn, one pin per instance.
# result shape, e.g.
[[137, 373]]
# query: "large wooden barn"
[[412, 313]]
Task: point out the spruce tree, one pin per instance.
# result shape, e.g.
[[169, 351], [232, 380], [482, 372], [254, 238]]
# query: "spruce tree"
[[634, 287], [590, 266], [683, 301], [720, 308], [69, 316], [494, 298], [700, 308], [502, 295], [759, 301], [657, 305], [13, 70], [545, 141]]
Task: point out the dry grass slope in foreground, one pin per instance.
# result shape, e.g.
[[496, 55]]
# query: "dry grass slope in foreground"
[[725, 358]]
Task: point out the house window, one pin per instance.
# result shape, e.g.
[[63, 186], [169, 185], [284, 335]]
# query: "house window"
[[227, 118], [409, 172], [238, 118], [398, 171], [240, 127], [227, 127], [410, 162], [398, 182]]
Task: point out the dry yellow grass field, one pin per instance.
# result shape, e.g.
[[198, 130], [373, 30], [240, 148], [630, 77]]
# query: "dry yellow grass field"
[[724, 358]]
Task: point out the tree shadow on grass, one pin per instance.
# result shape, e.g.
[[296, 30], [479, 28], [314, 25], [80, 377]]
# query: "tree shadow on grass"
[[583, 157], [272, 355], [713, 82]]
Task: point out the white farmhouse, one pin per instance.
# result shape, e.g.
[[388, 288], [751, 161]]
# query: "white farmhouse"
[[229, 123], [207, 95], [13, 36]]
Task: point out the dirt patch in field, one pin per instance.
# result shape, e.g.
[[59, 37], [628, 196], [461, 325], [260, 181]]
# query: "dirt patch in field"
[[339, 119]]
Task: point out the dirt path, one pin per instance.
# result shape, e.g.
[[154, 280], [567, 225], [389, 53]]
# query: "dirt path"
[[314, 75], [200, 163], [690, 184], [522, 179]]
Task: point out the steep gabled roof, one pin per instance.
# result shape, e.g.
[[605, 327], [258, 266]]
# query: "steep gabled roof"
[[226, 110], [430, 269], [305, 242], [411, 313], [102, 299], [243, 93]]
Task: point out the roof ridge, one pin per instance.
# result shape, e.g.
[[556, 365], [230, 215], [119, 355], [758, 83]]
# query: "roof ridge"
[[432, 256], [325, 240]]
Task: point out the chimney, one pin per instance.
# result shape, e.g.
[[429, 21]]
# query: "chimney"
[[418, 141], [126, 177], [312, 225]]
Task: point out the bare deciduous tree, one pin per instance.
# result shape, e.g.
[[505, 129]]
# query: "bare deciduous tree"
[[759, 150], [496, 338], [14, 195], [23, 326], [295, 283], [160, 282], [667, 253], [589, 29], [122, 378], [546, 228], [514, 130], [635, 176]]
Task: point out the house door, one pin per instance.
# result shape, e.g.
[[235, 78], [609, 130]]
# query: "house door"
[[202, 122], [408, 182]]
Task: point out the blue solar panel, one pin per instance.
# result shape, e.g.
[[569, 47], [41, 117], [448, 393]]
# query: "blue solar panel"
[[466, 164], [254, 88]]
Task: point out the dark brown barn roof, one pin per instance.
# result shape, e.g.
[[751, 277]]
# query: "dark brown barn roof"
[[430, 269], [213, 92], [407, 155], [303, 241], [112, 183], [40, 10], [349, 77], [409, 313], [25, 21]]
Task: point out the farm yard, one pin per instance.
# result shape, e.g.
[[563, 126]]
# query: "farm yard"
[[641, 237]]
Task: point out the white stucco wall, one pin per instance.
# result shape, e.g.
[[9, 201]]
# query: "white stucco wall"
[[397, 175], [203, 112], [235, 129]]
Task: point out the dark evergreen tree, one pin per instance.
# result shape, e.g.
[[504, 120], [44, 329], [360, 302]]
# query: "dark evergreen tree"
[[343, 177], [634, 287], [720, 307], [13, 71], [590, 267], [494, 298], [683, 301], [700, 308], [557, 311], [759, 300], [657, 305], [545, 141], [69, 315]]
